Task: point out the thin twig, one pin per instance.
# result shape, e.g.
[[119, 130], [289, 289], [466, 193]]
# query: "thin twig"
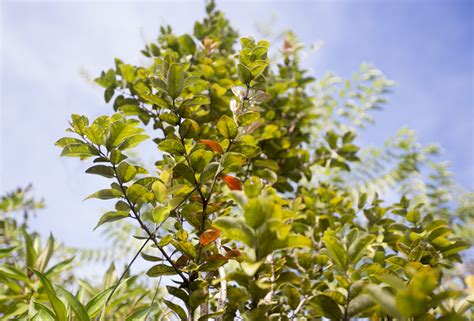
[[126, 270]]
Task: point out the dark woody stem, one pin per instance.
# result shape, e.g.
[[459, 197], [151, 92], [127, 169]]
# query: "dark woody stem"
[[151, 236]]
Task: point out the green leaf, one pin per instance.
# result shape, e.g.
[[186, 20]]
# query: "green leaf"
[[359, 304], [233, 161], [356, 249], [336, 250], [199, 159], [56, 303], [105, 194], [126, 172], [209, 172], [250, 268], [139, 314], [96, 304], [185, 247], [187, 45], [117, 156], [63, 142], [245, 75], [79, 150], [197, 100], [30, 249], [138, 193], [362, 201], [127, 72], [150, 258], [413, 216], [160, 214], [160, 269], [248, 118], [79, 123], [258, 67], [227, 127], [171, 146], [196, 298], [267, 163], [249, 151], [258, 210], [170, 118], [176, 309], [384, 299], [159, 189], [43, 314], [189, 129], [299, 241], [455, 248], [77, 307], [109, 93], [182, 170], [122, 206], [411, 302], [59, 267], [132, 141], [177, 292], [327, 306], [157, 100], [175, 80], [235, 229], [14, 273], [112, 216], [120, 131], [97, 131], [102, 170], [44, 257], [212, 316], [5, 252], [331, 138]]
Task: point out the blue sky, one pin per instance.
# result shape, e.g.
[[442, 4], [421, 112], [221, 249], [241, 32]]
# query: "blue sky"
[[47, 47]]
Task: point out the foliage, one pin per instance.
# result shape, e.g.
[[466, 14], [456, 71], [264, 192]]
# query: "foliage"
[[30, 269], [251, 208]]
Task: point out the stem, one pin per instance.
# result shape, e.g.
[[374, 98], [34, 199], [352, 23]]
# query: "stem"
[[268, 297], [299, 307], [126, 271], [151, 235], [223, 290], [154, 298]]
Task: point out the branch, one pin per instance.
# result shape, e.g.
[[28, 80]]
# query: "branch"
[[151, 235]]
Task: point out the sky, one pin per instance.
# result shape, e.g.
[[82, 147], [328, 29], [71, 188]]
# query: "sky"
[[50, 48]]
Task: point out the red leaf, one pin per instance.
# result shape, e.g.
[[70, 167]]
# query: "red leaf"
[[216, 257], [232, 183], [209, 236], [233, 253], [212, 144]]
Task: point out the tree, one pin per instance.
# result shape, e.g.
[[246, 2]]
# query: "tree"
[[250, 211]]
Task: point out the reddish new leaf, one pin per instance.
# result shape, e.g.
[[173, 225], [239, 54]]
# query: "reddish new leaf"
[[209, 236], [232, 253], [232, 183], [216, 257], [212, 144]]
